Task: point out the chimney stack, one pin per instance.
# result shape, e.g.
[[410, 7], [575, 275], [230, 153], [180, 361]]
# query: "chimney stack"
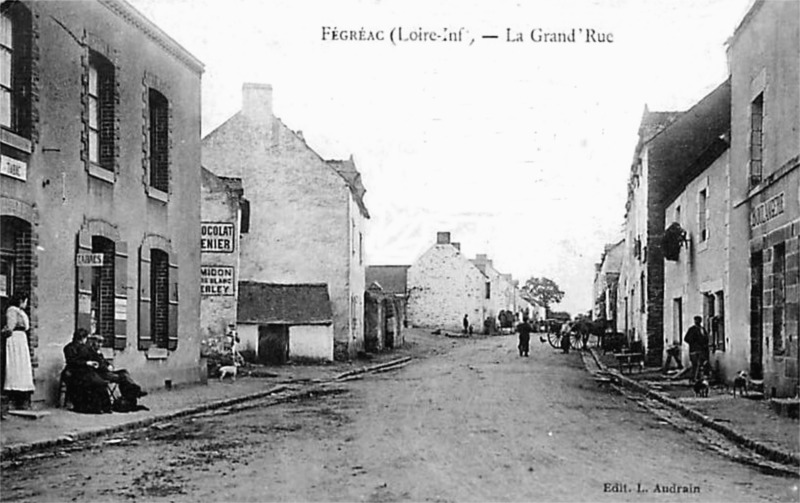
[[481, 257], [442, 238], [257, 102]]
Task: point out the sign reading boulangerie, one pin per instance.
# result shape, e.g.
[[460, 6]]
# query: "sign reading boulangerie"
[[216, 280], [767, 210], [216, 237]]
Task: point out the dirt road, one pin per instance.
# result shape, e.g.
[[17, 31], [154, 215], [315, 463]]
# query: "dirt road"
[[468, 420]]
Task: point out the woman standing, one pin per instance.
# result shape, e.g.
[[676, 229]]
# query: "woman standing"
[[19, 374]]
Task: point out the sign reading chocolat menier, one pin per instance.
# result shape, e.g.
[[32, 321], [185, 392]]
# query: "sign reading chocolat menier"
[[216, 237]]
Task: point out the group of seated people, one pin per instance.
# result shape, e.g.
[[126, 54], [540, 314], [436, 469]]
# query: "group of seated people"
[[88, 375]]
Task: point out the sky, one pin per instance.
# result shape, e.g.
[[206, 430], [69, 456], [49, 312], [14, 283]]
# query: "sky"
[[521, 150]]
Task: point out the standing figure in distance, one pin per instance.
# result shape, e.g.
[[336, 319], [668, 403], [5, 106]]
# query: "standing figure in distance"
[[524, 338], [466, 323], [697, 339]]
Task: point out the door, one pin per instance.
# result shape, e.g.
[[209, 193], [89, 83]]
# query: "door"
[[273, 344], [677, 321], [756, 306]]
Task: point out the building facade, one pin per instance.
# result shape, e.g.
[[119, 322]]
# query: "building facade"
[[225, 216], [696, 279], [100, 189], [606, 283], [765, 194], [443, 286], [307, 220]]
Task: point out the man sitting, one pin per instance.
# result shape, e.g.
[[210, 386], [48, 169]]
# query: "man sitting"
[[129, 390], [90, 374], [87, 391]]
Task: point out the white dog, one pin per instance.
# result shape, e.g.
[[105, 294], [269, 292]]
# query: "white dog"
[[228, 370]]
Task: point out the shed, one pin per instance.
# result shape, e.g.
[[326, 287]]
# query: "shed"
[[280, 322]]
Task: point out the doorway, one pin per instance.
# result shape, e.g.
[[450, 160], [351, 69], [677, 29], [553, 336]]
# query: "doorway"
[[273, 344], [756, 307]]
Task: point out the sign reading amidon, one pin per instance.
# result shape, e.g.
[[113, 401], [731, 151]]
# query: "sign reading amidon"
[[216, 237], [767, 210], [216, 280]]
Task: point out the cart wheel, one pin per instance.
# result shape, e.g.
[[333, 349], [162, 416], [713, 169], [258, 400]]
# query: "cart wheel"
[[575, 340], [554, 338]]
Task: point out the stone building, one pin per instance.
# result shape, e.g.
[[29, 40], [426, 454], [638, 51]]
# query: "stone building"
[[668, 144], [695, 261], [225, 216], [765, 194], [443, 286], [307, 214], [100, 192]]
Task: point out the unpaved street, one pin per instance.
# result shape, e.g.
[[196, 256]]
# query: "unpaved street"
[[467, 420]]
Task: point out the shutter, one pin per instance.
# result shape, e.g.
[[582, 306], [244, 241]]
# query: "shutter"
[[84, 276], [172, 309], [145, 333], [120, 294]]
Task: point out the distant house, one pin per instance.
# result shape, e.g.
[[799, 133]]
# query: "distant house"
[[385, 306], [501, 291], [444, 286], [606, 283], [278, 323], [308, 214]]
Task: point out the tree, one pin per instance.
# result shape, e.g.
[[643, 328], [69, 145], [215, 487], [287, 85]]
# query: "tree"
[[543, 290]]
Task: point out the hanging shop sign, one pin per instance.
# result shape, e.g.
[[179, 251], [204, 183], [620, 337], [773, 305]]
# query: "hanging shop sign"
[[216, 280], [13, 168], [89, 260], [216, 237]]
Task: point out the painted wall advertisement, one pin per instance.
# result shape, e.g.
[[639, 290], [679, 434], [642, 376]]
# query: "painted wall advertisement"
[[216, 280]]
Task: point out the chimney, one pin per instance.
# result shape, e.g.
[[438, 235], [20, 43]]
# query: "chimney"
[[481, 257], [442, 238], [457, 246], [257, 102]]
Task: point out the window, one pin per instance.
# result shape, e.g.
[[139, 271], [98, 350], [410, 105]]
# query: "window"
[[102, 284], [488, 289], [158, 297], [360, 248], [756, 140], [101, 111], [15, 68], [717, 322], [642, 295], [678, 214], [702, 214], [159, 141], [102, 310]]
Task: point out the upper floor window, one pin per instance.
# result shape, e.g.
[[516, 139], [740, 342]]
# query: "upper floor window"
[[101, 111], [159, 140], [702, 214], [15, 68], [756, 140]]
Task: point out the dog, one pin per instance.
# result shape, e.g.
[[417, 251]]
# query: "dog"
[[228, 370], [701, 387], [741, 382]]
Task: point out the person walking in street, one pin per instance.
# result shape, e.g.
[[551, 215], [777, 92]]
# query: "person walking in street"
[[524, 331], [19, 372], [697, 339], [466, 323]]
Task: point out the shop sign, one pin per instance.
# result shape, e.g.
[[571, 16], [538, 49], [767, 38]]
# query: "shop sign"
[[216, 237], [13, 168], [89, 260], [767, 210], [216, 280]]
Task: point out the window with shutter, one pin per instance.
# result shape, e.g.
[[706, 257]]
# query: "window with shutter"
[[120, 294], [145, 336]]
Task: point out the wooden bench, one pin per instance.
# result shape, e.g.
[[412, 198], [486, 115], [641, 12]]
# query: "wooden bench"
[[629, 361]]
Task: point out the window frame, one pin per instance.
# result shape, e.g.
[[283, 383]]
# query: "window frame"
[[756, 141], [158, 142]]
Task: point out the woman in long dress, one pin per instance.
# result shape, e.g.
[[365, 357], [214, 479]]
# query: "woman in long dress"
[[19, 373]]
